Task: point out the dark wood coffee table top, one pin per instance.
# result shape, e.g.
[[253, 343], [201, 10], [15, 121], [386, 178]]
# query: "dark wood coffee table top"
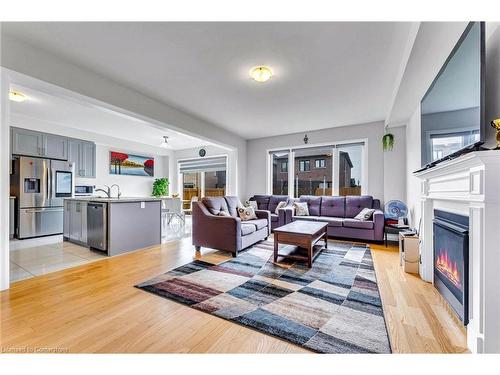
[[302, 227]]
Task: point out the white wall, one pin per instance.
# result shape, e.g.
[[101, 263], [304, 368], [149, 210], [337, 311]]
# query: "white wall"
[[395, 166], [129, 185], [413, 163], [34, 62], [232, 187], [373, 132]]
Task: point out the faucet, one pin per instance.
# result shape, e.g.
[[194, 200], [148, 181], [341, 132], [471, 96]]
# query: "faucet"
[[119, 192], [108, 192]]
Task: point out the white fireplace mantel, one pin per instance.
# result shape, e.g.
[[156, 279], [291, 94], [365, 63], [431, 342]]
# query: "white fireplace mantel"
[[469, 185]]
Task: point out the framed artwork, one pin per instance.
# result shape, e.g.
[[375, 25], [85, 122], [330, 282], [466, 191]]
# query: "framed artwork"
[[131, 165]]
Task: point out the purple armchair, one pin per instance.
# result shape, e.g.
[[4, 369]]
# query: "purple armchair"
[[339, 212], [228, 233], [269, 203]]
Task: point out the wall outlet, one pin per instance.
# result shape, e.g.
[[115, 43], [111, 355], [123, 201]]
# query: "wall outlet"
[[143, 204]]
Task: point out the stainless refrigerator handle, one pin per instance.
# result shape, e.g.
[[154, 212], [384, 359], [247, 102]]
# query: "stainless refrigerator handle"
[[49, 182], [36, 210]]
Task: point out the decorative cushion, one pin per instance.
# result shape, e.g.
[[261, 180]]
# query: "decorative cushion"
[[246, 213], [252, 204], [259, 223], [274, 200], [365, 214], [313, 203], [215, 204], [262, 201], [354, 204], [353, 223], [301, 208], [333, 206], [233, 203], [247, 229], [224, 213], [281, 204]]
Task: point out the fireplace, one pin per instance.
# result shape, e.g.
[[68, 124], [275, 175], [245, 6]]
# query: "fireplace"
[[451, 260]]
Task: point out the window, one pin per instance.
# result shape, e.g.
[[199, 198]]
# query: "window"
[[304, 166], [448, 143], [350, 169], [279, 159], [215, 183], [316, 181], [319, 163], [204, 177]]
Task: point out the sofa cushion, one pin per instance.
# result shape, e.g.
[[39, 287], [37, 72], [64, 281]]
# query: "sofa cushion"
[[232, 204], [246, 213], [332, 221], [262, 201], [259, 223], [307, 218], [280, 205], [274, 217], [353, 223], [215, 204], [333, 206], [354, 204], [365, 214], [247, 229], [313, 203], [274, 200]]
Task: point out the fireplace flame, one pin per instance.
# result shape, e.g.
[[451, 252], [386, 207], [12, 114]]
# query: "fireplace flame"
[[448, 268]]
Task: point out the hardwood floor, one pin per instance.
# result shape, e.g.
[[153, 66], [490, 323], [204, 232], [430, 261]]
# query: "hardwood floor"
[[95, 308]]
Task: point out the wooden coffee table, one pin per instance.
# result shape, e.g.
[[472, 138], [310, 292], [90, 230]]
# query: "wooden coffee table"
[[303, 234]]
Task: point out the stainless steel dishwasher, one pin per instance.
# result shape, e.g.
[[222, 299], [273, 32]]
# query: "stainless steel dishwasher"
[[97, 226]]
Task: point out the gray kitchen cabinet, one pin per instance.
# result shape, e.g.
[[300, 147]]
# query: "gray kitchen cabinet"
[[75, 221], [33, 143], [82, 153], [26, 142], [55, 146]]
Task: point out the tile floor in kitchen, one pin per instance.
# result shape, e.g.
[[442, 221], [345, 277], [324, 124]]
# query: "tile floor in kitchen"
[[35, 260]]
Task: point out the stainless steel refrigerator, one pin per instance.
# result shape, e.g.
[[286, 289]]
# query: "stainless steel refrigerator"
[[41, 186]]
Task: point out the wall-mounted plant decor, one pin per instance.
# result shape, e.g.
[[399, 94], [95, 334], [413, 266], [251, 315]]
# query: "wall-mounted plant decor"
[[388, 142]]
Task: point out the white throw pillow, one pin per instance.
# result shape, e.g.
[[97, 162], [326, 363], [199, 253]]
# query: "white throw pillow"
[[280, 205], [246, 213], [252, 204], [365, 214], [301, 209]]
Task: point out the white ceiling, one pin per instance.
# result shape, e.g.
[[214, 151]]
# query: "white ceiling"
[[326, 74], [102, 121]]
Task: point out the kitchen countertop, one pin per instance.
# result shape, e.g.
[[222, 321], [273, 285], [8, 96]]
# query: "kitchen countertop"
[[115, 200]]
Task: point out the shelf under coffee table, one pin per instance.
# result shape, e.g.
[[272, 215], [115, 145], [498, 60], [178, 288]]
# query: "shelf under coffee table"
[[304, 235]]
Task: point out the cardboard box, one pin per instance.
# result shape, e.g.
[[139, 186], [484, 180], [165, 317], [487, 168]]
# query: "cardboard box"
[[409, 252]]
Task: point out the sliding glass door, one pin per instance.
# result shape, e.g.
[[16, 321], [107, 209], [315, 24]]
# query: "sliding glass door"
[[318, 170], [313, 171]]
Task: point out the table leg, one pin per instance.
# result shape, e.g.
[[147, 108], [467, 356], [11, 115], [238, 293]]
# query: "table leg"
[[326, 238], [310, 255], [275, 248], [385, 237]]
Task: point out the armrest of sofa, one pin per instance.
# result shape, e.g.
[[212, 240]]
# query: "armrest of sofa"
[[285, 215], [217, 232], [264, 214], [378, 224]]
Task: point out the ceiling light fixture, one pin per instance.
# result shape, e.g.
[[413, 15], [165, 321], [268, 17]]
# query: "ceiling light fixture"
[[165, 144], [261, 74], [17, 96]]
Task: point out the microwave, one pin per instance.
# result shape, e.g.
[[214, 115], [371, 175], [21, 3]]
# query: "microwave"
[[84, 190]]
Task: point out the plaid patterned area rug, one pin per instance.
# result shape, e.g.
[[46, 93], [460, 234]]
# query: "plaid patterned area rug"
[[334, 307]]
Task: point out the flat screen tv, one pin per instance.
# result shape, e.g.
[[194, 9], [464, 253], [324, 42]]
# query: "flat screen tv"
[[452, 110]]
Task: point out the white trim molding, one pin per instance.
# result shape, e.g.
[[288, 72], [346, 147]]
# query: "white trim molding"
[[469, 185]]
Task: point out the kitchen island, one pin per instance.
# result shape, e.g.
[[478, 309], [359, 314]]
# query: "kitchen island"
[[113, 225]]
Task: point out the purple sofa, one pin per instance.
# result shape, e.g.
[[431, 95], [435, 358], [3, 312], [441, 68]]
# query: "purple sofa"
[[226, 233], [339, 213], [269, 203]]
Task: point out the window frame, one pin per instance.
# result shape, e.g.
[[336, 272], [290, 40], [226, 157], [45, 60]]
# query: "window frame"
[[291, 164]]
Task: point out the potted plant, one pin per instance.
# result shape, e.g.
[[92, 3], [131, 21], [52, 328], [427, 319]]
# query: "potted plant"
[[388, 142], [160, 187]]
